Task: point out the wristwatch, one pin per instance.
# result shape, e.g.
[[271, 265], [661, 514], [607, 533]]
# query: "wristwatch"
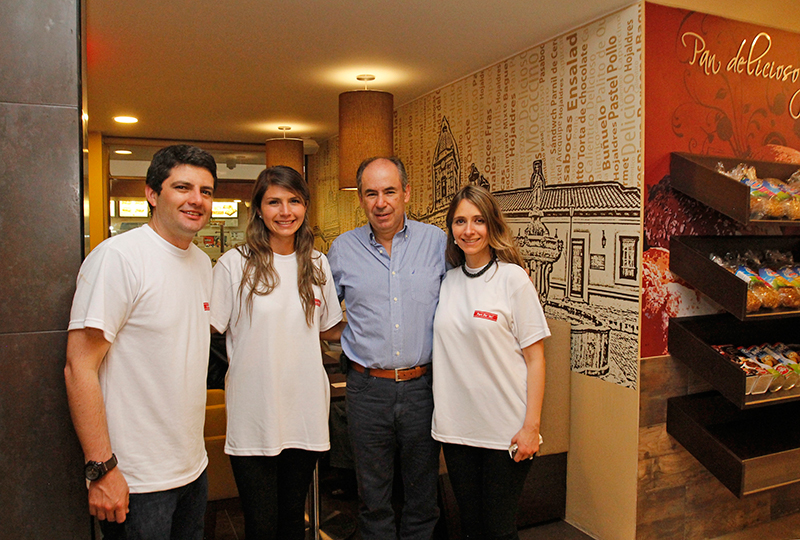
[[95, 470]]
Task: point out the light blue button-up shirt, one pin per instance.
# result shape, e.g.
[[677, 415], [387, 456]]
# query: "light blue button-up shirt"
[[390, 301]]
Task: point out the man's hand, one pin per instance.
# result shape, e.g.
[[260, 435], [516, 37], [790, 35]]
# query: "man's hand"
[[108, 497]]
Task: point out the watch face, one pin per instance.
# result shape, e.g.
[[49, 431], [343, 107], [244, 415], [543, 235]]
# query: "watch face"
[[92, 471]]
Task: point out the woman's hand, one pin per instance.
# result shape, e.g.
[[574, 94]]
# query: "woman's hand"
[[527, 438], [527, 441]]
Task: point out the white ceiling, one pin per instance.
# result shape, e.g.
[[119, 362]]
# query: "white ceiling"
[[205, 70], [233, 71]]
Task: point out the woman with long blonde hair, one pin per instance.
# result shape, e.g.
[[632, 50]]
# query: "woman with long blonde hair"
[[488, 357], [275, 297]]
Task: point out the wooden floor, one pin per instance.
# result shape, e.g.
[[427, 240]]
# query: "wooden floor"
[[787, 528]]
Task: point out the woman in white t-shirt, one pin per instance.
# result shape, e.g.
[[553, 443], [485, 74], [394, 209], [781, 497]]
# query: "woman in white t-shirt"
[[275, 297], [488, 361]]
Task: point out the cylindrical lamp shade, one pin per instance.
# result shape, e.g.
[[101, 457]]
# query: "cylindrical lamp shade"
[[288, 152], [365, 130]]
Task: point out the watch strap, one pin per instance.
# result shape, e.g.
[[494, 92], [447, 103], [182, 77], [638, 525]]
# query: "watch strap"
[[101, 467]]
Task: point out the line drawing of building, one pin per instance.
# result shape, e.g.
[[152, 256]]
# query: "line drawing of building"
[[581, 243]]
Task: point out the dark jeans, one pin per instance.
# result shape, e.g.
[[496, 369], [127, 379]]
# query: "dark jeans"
[[388, 418], [272, 490], [487, 485], [175, 514]]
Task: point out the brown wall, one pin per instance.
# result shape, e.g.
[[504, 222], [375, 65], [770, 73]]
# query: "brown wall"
[[42, 494]]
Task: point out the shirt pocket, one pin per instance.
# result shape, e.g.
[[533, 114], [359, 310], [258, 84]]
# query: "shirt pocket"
[[425, 282]]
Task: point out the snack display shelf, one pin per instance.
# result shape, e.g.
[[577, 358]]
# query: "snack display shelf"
[[690, 259], [747, 450], [691, 340], [697, 177]]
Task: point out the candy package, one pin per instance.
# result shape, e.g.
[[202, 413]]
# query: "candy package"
[[770, 198]]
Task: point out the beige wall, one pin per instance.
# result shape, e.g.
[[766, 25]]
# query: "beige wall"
[[602, 460]]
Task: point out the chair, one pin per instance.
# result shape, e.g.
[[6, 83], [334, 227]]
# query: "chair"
[[222, 490]]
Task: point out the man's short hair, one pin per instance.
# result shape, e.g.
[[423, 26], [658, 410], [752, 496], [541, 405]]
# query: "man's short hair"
[[170, 157], [397, 163]]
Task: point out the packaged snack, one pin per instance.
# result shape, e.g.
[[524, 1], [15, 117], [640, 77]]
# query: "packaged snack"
[[720, 261], [768, 296], [787, 352], [793, 208], [768, 357], [788, 295], [757, 379], [794, 180], [790, 275], [768, 198], [775, 258], [778, 273], [753, 302], [778, 379], [788, 359]]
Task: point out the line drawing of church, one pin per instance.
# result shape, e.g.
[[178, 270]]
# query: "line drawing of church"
[[581, 243]]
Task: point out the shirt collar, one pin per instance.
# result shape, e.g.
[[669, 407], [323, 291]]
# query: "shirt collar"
[[403, 229]]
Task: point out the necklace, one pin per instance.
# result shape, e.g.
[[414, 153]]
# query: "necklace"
[[480, 272]]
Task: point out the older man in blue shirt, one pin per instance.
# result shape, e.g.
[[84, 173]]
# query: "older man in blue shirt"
[[388, 273]]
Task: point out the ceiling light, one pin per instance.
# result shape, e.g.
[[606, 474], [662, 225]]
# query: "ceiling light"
[[365, 129], [283, 151], [123, 152], [126, 119], [388, 75]]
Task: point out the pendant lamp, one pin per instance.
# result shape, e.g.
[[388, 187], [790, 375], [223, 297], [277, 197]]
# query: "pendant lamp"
[[365, 129], [283, 151]]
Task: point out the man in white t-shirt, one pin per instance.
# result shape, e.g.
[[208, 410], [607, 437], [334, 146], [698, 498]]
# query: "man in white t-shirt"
[[137, 357]]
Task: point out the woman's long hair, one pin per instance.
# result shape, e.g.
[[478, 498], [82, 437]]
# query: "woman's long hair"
[[500, 240], [259, 275]]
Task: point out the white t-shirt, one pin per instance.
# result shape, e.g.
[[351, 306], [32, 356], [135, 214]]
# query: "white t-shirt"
[[480, 376], [151, 300], [277, 393]]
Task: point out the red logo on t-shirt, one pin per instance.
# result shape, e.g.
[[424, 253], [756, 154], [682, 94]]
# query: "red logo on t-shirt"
[[206, 307], [317, 302], [485, 315]]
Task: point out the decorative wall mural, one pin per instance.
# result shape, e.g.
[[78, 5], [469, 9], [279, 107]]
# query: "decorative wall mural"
[[603, 215], [555, 134]]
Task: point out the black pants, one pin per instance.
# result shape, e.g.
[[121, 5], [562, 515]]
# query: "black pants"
[[487, 485], [272, 490]]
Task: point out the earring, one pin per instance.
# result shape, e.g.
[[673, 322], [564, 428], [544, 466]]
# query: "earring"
[[455, 241]]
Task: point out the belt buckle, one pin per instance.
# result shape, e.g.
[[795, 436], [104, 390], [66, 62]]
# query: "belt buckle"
[[397, 376]]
